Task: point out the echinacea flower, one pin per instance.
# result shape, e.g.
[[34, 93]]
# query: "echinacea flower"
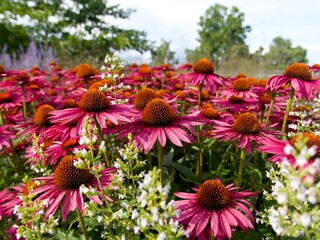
[[299, 75], [215, 210], [278, 147], [241, 87], [245, 129], [5, 136], [158, 121], [94, 104], [63, 186], [203, 70], [10, 101]]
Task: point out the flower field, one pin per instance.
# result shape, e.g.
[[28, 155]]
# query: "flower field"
[[159, 152]]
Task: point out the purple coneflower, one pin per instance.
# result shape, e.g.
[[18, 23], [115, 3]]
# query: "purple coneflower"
[[94, 104], [245, 129], [158, 120], [299, 75], [215, 210], [63, 186]]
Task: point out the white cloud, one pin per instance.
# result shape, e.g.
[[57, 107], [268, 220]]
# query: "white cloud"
[[177, 21]]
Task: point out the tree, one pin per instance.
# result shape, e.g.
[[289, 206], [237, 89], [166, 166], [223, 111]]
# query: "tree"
[[162, 54], [75, 27], [281, 53], [220, 30]]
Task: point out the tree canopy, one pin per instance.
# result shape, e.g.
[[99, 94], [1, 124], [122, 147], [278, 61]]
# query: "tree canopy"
[[281, 53], [75, 27], [220, 30]]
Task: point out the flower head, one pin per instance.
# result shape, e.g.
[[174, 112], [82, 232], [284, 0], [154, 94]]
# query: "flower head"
[[214, 210]]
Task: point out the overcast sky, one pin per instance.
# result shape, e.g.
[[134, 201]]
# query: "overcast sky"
[[177, 21]]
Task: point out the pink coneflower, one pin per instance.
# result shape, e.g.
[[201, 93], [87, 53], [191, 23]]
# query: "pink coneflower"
[[40, 122], [63, 186], [9, 101], [245, 129], [5, 136], [299, 75], [159, 121], [214, 210], [203, 70], [237, 104], [276, 147], [241, 87], [59, 149], [94, 104]]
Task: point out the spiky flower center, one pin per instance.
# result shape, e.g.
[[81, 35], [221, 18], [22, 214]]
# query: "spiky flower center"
[[213, 195], [34, 87], [40, 118], [94, 101], [46, 143], [265, 98], [68, 177], [28, 187], [69, 144], [5, 98], [312, 140], [298, 70], [70, 103], [210, 113], [180, 94], [158, 113], [144, 96], [85, 70], [301, 108], [247, 123], [203, 66], [145, 70], [241, 84], [236, 99]]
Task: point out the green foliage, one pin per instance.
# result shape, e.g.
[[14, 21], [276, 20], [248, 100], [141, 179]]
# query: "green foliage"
[[220, 30], [281, 53], [162, 54], [76, 29]]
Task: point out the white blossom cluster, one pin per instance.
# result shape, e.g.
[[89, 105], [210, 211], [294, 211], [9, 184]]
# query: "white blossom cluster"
[[31, 216], [113, 64], [153, 211], [305, 120], [296, 189]]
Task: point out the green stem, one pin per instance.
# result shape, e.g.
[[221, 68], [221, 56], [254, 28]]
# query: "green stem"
[[160, 159], [149, 162], [200, 155], [223, 161], [24, 107], [105, 152], [200, 92], [270, 108], [82, 225], [241, 165], [285, 119]]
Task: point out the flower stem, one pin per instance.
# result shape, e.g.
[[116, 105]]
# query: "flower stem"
[[24, 107], [241, 165], [285, 119], [270, 108], [105, 152], [82, 225], [160, 159]]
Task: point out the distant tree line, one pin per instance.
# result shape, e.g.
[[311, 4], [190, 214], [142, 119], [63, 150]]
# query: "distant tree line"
[[79, 31]]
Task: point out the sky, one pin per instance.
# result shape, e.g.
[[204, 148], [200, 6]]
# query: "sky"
[[176, 21]]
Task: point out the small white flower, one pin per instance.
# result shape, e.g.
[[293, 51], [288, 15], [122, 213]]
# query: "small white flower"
[[99, 218], [305, 220], [134, 214], [288, 149], [282, 197], [161, 236]]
